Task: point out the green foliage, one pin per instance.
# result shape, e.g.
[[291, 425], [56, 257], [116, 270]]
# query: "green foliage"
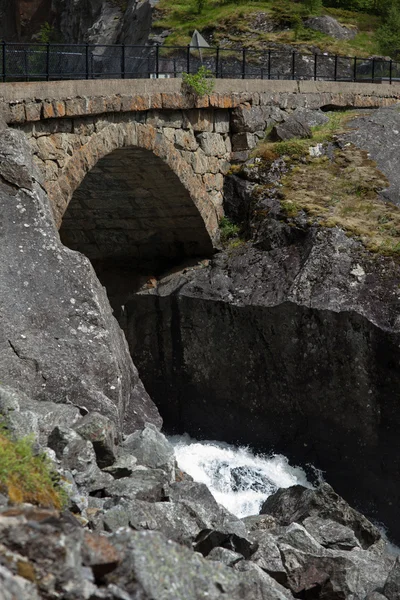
[[228, 230], [27, 477], [313, 7], [200, 83], [388, 34], [46, 34]]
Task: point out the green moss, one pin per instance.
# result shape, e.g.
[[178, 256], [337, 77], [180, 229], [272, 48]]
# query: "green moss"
[[26, 477]]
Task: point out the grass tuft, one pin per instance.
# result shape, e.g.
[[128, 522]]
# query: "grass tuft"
[[26, 477]]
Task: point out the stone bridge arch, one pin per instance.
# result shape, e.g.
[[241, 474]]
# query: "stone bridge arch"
[[128, 194]]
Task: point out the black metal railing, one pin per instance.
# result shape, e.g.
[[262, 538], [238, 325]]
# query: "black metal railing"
[[47, 62]]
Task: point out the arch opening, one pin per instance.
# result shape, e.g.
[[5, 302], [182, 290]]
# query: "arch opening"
[[133, 218]]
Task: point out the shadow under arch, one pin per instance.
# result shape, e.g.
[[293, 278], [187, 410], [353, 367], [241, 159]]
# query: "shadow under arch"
[[130, 202]]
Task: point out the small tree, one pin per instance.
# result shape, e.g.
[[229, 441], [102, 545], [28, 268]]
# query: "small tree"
[[200, 83]]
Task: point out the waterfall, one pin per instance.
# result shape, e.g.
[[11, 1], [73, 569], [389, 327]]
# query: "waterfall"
[[238, 479]]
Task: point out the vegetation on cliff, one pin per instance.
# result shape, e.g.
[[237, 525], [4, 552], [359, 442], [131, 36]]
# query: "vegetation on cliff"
[[335, 185], [26, 476], [257, 24]]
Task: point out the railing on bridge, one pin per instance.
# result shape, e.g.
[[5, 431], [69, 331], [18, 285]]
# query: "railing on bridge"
[[38, 62]]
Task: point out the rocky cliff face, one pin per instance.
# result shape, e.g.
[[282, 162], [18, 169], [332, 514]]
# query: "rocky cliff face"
[[75, 21], [288, 342], [59, 340]]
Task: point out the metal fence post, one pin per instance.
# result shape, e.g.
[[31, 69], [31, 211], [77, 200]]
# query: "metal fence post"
[[315, 66], [48, 61], [244, 63], [293, 64], [4, 48], [216, 62], [269, 63], [355, 69], [390, 71], [122, 60], [157, 59], [188, 59], [336, 66], [87, 61], [373, 70]]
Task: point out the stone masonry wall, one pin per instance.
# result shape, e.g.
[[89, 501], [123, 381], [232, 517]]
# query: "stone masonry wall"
[[73, 125]]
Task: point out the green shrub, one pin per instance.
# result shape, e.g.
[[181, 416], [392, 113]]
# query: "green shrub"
[[228, 229], [200, 83]]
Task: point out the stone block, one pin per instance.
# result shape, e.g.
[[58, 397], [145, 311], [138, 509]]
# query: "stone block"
[[199, 162], [243, 141], [33, 111], [165, 118], [213, 182], [221, 121], [17, 113], [199, 120], [212, 144], [185, 140]]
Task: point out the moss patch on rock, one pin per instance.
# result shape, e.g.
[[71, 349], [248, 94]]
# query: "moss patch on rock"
[[26, 477]]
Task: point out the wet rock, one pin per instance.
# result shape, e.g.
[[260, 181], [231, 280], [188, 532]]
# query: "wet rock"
[[296, 503], [330, 26], [331, 534], [101, 432]]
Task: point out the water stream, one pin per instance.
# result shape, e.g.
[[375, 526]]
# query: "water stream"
[[238, 479]]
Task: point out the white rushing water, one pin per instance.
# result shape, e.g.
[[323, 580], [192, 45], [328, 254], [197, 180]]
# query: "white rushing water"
[[238, 479]]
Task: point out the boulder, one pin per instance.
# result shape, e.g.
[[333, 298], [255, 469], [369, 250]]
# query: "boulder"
[[295, 126], [331, 534], [101, 432], [61, 341], [163, 570], [332, 574], [143, 484], [225, 556], [78, 456], [151, 449], [198, 498], [330, 26], [211, 538], [296, 503]]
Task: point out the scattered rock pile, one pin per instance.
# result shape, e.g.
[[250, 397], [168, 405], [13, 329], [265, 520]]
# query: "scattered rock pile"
[[137, 527]]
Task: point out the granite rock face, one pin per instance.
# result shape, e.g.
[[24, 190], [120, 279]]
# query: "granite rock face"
[[59, 340]]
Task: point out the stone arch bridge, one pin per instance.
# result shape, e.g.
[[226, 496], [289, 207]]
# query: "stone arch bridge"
[[135, 169]]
